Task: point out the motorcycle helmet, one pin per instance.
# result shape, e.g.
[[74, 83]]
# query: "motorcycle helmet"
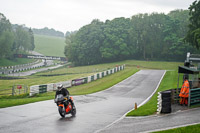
[[60, 86]]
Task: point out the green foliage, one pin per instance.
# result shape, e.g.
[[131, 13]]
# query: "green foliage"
[[32, 47], [6, 37], [193, 35], [187, 129], [144, 36], [6, 42], [22, 39], [14, 38]]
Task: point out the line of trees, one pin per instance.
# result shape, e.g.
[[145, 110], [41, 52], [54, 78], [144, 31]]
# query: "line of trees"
[[153, 36], [14, 38], [193, 34], [48, 32]]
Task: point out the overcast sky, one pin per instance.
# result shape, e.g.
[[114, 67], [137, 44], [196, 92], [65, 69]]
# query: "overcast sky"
[[70, 15]]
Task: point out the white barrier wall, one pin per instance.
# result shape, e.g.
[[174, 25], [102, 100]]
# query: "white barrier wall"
[[34, 90], [89, 79], [53, 86], [105, 74], [100, 75], [65, 84], [95, 76]]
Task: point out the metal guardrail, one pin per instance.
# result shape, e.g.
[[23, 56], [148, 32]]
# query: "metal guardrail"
[[194, 96]]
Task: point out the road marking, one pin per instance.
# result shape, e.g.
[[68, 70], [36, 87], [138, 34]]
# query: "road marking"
[[116, 121], [154, 91]]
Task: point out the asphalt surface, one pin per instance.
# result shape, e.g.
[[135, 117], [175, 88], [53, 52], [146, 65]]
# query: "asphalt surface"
[[155, 122], [37, 65], [94, 111], [27, 73]]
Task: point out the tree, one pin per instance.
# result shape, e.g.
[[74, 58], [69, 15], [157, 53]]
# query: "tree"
[[145, 36], [83, 47], [115, 44], [6, 37], [6, 42], [22, 40], [31, 39], [193, 35]]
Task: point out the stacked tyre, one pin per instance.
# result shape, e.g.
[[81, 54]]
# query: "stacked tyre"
[[166, 102]]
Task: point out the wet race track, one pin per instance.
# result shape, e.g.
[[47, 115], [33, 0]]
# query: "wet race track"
[[94, 111]]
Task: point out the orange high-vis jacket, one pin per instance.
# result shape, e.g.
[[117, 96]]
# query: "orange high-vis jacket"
[[185, 89]]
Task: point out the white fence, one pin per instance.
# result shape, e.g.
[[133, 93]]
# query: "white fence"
[[36, 89]]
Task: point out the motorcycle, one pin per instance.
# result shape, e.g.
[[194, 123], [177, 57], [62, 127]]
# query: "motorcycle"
[[65, 105]]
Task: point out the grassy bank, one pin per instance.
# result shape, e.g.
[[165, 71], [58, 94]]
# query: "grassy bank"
[[169, 81], [65, 73], [187, 129], [58, 75], [49, 46], [16, 61], [108, 81], [104, 83]]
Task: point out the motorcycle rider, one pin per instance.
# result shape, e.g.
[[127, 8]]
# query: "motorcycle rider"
[[64, 92]]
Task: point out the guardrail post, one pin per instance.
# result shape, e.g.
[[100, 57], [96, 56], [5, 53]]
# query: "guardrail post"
[[189, 98]]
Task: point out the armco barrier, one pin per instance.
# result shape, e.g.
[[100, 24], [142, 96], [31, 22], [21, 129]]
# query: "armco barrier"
[[42, 88], [36, 89], [194, 97], [53, 86], [76, 82]]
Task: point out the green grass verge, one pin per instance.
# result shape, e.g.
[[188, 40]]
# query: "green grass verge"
[[103, 83], [63, 73], [49, 46], [16, 61], [169, 81], [110, 80], [187, 129]]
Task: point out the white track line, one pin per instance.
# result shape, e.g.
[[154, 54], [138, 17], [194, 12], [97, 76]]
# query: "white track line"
[[168, 128], [132, 109]]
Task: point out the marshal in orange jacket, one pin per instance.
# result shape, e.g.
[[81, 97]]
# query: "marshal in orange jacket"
[[185, 89]]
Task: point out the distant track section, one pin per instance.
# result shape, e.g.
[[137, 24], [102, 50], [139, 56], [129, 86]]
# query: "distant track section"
[[40, 57]]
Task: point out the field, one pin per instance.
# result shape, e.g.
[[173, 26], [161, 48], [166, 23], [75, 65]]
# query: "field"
[[17, 61], [49, 46]]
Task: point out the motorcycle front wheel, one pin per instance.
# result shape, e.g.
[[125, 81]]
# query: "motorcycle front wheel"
[[61, 111], [73, 111]]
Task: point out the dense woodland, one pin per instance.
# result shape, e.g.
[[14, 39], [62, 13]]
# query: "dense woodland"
[[154, 36], [14, 38]]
